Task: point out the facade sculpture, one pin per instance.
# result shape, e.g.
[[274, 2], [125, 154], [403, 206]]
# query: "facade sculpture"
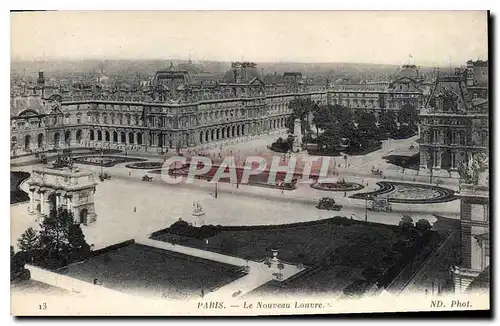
[[71, 189]]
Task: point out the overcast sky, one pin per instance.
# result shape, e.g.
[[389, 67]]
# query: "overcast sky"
[[432, 38]]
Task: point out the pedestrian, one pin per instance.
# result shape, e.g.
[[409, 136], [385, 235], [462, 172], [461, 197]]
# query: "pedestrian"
[[345, 193], [135, 209]]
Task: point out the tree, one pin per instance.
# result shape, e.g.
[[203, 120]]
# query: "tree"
[[388, 125], [322, 118], [423, 225], [330, 138], [367, 127], [406, 222], [61, 240], [29, 243], [408, 114], [78, 248]]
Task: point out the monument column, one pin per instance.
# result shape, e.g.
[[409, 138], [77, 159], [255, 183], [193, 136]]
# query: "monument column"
[[42, 200]]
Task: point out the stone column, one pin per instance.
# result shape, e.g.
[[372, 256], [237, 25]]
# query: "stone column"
[[453, 160], [69, 204], [454, 170], [439, 154]]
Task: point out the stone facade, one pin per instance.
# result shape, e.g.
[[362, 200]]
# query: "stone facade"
[[407, 88], [452, 127], [475, 235], [68, 188], [170, 114]]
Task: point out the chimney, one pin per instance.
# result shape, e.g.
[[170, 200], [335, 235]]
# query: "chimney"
[[41, 78]]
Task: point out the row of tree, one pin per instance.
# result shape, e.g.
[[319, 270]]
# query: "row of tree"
[[339, 128]]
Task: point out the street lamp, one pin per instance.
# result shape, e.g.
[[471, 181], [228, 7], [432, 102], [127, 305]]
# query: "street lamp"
[[366, 209]]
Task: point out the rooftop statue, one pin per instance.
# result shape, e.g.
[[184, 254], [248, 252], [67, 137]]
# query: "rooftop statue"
[[476, 170]]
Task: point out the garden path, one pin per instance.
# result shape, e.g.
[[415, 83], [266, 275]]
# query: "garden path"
[[258, 275]]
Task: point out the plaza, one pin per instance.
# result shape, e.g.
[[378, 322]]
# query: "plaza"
[[157, 204]]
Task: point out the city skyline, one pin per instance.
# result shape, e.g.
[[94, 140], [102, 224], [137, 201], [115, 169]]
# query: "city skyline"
[[431, 38]]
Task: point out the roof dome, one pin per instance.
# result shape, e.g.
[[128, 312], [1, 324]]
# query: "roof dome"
[[408, 71]]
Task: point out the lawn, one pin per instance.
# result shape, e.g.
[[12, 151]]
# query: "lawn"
[[337, 251], [143, 270], [16, 194]]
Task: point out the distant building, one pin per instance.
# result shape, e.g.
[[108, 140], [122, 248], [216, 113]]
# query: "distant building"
[[477, 78], [406, 89], [292, 77], [171, 79]]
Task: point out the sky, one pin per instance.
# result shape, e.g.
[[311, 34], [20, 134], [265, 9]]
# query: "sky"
[[436, 38]]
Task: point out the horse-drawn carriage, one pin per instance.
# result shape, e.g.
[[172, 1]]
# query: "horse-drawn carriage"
[[104, 176], [147, 178], [376, 171]]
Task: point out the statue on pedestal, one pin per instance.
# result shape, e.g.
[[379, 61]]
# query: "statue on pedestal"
[[476, 171], [297, 133]]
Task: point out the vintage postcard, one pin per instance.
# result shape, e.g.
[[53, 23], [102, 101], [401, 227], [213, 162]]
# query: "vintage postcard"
[[230, 163]]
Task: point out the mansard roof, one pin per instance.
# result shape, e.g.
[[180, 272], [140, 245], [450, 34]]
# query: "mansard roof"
[[451, 85], [20, 104]]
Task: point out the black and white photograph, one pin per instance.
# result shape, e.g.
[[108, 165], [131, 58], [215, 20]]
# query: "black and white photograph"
[[249, 163]]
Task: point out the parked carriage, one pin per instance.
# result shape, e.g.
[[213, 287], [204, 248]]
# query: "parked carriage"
[[147, 178]]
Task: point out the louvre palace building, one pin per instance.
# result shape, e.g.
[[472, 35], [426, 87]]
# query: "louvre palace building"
[[172, 112], [176, 111], [454, 120]]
